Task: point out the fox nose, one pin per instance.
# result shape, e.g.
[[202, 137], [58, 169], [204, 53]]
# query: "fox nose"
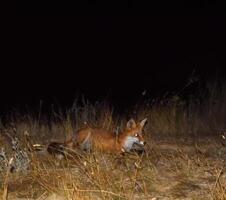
[[142, 142]]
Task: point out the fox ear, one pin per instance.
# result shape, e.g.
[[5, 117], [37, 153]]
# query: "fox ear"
[[131, 124], [143, 122]]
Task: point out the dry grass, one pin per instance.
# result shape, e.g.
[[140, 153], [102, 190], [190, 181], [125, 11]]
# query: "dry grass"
[[184, 158]]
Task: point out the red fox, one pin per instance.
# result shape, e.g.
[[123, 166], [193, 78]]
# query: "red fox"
[[104, 140]]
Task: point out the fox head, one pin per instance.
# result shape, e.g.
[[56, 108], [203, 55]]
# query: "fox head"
[[133, 134]]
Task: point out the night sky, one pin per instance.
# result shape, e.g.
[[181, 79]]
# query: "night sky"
[[57, 58]]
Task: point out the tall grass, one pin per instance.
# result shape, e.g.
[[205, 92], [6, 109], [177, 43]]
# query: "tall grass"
[[202, 112], [198, 114]]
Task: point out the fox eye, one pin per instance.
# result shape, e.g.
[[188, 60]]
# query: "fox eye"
[[136, 135]]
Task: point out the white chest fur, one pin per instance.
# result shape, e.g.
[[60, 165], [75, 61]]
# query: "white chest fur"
[[129, 141]]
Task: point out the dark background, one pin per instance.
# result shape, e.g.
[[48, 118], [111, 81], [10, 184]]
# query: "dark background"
[[113, 51]]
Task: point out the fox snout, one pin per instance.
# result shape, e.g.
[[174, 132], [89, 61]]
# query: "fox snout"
[[141, 140], [142, 143]]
